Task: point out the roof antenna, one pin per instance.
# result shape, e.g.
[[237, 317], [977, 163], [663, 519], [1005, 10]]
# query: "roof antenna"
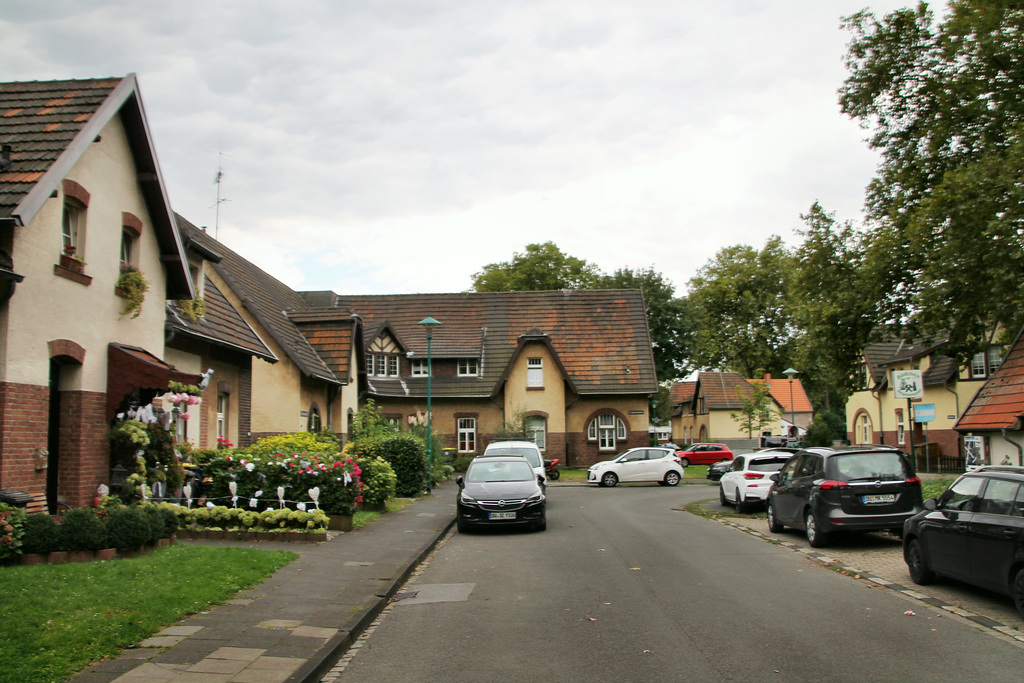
[[217, 181]]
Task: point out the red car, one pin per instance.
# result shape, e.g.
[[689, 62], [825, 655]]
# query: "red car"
[[704, 454]]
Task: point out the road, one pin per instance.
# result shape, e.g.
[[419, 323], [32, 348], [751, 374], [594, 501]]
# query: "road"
[[625, 586]]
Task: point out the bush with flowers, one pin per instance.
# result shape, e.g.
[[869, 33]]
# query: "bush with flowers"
[[301, 480], [12, 529]]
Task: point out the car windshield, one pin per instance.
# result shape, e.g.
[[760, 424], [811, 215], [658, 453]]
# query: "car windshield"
[[530, 454], [767, 464], [886, 466], [483, 471]]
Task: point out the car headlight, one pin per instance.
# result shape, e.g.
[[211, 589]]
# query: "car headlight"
[[466, 500], [535, 498]]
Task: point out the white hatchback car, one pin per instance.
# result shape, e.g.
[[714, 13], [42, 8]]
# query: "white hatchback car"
[[749, 478], [638, 464], [527, 449]]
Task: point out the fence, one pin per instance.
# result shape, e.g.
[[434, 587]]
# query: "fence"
[[935, 462]]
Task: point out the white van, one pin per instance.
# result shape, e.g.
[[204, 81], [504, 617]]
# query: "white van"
[[527, 449]]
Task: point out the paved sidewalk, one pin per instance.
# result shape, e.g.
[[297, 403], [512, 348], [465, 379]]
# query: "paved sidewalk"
[[297, 623]]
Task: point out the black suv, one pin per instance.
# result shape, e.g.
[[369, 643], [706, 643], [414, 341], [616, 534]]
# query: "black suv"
[[974, 532], [822, 490]]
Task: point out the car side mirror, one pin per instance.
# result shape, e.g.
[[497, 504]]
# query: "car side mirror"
[[540, 479], [774, 477], [460, 481], [931, 504]]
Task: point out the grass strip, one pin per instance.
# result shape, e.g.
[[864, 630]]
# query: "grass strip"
[[57, 619]]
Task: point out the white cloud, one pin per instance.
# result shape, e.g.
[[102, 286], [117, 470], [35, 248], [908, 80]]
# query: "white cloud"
[[397, 146]]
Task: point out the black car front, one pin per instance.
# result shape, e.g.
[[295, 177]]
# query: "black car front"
[[490, 495]]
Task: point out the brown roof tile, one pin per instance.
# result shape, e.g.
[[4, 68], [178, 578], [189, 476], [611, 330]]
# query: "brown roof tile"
[[724, 390], [222, 325], [999, 404]]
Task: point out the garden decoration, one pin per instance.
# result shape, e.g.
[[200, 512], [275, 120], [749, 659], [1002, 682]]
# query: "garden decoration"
[[187, 491], [314, 494], [233, 487]]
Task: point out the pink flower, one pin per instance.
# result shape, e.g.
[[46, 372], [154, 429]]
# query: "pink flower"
[[184, 416]]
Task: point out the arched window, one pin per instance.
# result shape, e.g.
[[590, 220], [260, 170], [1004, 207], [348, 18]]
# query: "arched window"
[[606, 429]]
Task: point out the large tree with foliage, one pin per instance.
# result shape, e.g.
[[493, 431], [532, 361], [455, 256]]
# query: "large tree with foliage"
[[943, 102], [545, 267], [744, 322], [541, 267], [830, 306]]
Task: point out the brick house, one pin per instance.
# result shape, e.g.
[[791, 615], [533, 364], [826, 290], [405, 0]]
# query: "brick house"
[[81, 200], [875, 415], [992, 425], [574, 367]]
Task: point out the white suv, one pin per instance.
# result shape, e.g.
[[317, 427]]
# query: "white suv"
[[527, 449]]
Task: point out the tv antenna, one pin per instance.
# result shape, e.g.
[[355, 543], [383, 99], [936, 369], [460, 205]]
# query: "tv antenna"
[[217, 180]]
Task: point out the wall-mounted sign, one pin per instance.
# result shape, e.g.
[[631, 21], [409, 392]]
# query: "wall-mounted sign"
[[636, 412], [924, 412], [907, 383], [303, 413]]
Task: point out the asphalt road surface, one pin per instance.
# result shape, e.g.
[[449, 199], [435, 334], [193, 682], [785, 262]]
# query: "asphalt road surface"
[[625, 586]]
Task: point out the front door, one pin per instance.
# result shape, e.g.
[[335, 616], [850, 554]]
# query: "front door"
[[53, 438]]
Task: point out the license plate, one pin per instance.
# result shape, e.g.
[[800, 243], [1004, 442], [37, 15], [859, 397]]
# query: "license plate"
[[880, 498], [501, 515]]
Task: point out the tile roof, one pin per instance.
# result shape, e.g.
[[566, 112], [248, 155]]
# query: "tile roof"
[[331, 334], [50, 125], [724, 390], [882, 354], [600, 336], [268, 299], [222, 325], [682, 392], [779, 387], [999, 404]]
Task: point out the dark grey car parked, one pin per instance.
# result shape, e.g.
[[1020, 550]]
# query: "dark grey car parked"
[[974, 532], [823, 491]]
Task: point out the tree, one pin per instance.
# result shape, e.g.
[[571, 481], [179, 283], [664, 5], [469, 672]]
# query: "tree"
[[758, 409], [830, 306], [943, 101], [671, 320], [743, 321], [541, 267]]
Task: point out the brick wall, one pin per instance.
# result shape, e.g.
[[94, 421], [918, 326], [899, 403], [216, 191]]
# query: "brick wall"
[[84, 447], [24, 417]]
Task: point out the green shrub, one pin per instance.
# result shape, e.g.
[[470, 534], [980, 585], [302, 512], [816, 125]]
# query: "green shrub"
[[288, 444], [42, 535], [127, 528], [82, 530], [12, 529], [379, 480], [408, 458], [462, 463], [818, 434], [169, 517]]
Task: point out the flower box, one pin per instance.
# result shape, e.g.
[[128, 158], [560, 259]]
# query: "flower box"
[[72, 263]]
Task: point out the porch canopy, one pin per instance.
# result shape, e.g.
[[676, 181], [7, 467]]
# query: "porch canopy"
[[136, 373]]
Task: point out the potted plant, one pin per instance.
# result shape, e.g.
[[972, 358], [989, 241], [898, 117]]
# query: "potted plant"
[[133, 287]]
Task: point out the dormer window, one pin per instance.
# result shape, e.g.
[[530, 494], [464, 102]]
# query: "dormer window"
[[382, 365], [469, 367], [534, 372]]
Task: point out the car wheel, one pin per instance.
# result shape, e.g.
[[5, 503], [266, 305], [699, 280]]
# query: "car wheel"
[[815, 536], [773, 523], [609, 479], [684, 462], [1018, 591], [672, 478], [721, 495], [917, 563]]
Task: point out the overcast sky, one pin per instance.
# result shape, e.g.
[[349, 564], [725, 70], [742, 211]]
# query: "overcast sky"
[[395, 146]]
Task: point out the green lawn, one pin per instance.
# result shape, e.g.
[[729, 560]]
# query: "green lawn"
[[580, 474], [56, 619]]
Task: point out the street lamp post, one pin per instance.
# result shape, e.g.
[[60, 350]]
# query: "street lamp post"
[[429, 324], [792, 409]]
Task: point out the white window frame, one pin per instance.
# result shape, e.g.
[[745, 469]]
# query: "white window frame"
[[370, 364], [466, 428], [979, 365], [995, 358], [865, 428], [222, 415], [469, 367], [392, 365], [535, 372], [536, 428], [71, 228], [901, 431], [419, 367], [127, 248], [606, 429]]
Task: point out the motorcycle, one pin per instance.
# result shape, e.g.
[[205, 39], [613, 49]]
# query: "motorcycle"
[[551, 469]]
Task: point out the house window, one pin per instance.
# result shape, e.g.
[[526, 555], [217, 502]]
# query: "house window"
[[382, 365], [900, 431], [127, 249], [370, 359], [73, 228], [865, 429], [395, 422], [419, 367], [222, 416], [467, 434], [978, 364], [536, 430], [393, 366], [534, 372], [604, 429], [468, 367], [995, 358]]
